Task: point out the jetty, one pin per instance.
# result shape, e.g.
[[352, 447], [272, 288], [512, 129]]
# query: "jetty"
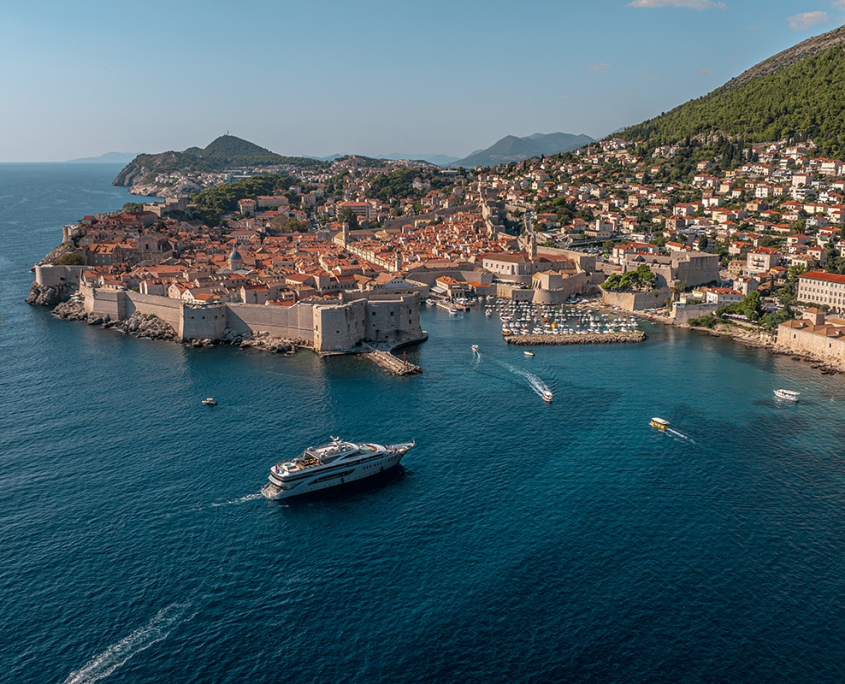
[[589, 338], [392, 364]]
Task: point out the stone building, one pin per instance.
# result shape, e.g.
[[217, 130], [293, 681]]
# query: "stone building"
[[818, 287], [815, 333]]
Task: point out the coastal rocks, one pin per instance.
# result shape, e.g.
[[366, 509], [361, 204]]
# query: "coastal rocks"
[[264, 342], [71, 310], [42, 295], [144, 325]]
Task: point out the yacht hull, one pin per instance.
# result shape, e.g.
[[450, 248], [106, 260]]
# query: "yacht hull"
[[344, 475]]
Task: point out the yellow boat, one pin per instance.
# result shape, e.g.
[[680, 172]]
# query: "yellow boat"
[[659, 423]]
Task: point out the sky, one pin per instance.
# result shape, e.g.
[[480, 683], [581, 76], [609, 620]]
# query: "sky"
[[374, 77]]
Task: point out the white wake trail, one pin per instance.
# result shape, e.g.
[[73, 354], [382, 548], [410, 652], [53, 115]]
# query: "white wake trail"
[[534, 382], [243, 499], [681, 435], [116, 655]]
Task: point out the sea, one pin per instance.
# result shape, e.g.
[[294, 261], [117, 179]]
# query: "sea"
[[519, 541]]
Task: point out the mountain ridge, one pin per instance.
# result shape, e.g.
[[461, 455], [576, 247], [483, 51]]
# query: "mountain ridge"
[[512, 148], [793, 95]]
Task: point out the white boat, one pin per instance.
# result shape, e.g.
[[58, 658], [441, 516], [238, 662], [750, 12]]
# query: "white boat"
[[475, 348], [331, 465], [209, 402], [789, 395], [528, 352], [548, 396]]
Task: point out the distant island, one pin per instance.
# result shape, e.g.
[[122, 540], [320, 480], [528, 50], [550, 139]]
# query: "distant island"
[[107, 158]]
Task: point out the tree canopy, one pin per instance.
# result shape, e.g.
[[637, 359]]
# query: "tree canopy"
[[799, 102], [641, 279], [214, 203]]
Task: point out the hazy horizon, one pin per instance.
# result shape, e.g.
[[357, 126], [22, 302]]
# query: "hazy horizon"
[[92, 78]]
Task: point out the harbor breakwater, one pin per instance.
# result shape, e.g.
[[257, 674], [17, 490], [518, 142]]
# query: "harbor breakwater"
[[589, 338]]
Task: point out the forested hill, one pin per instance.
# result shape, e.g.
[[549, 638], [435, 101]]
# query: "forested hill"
[[227, 151], [801, 100]]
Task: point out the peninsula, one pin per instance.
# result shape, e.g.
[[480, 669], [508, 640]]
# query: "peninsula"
[[685, 217]]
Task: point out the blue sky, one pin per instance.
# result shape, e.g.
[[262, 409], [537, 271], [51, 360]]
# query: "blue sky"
[[373, 77]]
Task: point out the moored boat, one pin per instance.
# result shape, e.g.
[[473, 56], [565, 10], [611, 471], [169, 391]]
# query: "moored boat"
[[209, 402], [331, 465], [528, 352]]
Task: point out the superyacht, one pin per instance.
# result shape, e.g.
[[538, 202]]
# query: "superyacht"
[[329, 465]]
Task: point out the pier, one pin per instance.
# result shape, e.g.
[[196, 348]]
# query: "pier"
[[589, 338], [392, 364]]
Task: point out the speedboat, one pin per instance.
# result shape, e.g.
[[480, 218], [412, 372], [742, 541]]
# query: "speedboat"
[[528, 352], [789, 395], [659, 423], [475, 348], [547, 396], [209, 402], [330, 465]]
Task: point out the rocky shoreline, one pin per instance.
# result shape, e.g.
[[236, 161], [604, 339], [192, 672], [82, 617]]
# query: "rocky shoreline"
[[755, 341], [144, 326], [41, 295], [751, 338]]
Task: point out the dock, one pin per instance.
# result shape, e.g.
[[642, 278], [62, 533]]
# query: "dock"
[[392, 364], [589, 338]]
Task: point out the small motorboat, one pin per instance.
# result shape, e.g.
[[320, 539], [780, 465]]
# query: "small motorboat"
[[528, 352], [475, 349], [659, 423], [209, 402], [547, 396], [789, 395]]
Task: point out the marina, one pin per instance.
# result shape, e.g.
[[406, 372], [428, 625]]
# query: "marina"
[[610, 338]]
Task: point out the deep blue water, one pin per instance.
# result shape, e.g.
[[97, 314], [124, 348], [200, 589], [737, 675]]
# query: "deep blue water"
[[519, 542]]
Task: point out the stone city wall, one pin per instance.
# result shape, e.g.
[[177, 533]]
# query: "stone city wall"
[[168, 310], [393, 319], [683, 313], [576, 284], [827, 348], [635, 301], [203, 323], [330, 326], [517, 293], [49, 275], [295, 323], [338, 327]]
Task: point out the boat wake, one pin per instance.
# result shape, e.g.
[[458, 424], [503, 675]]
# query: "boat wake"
[[243, 499], [116, 655], [537, 385], [680, 435]]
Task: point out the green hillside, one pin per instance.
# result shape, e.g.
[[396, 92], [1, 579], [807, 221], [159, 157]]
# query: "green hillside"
[[213, 203], [801, 101], [227, 151]]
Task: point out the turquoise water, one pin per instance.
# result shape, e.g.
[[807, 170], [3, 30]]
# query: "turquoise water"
[[519, 541]]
